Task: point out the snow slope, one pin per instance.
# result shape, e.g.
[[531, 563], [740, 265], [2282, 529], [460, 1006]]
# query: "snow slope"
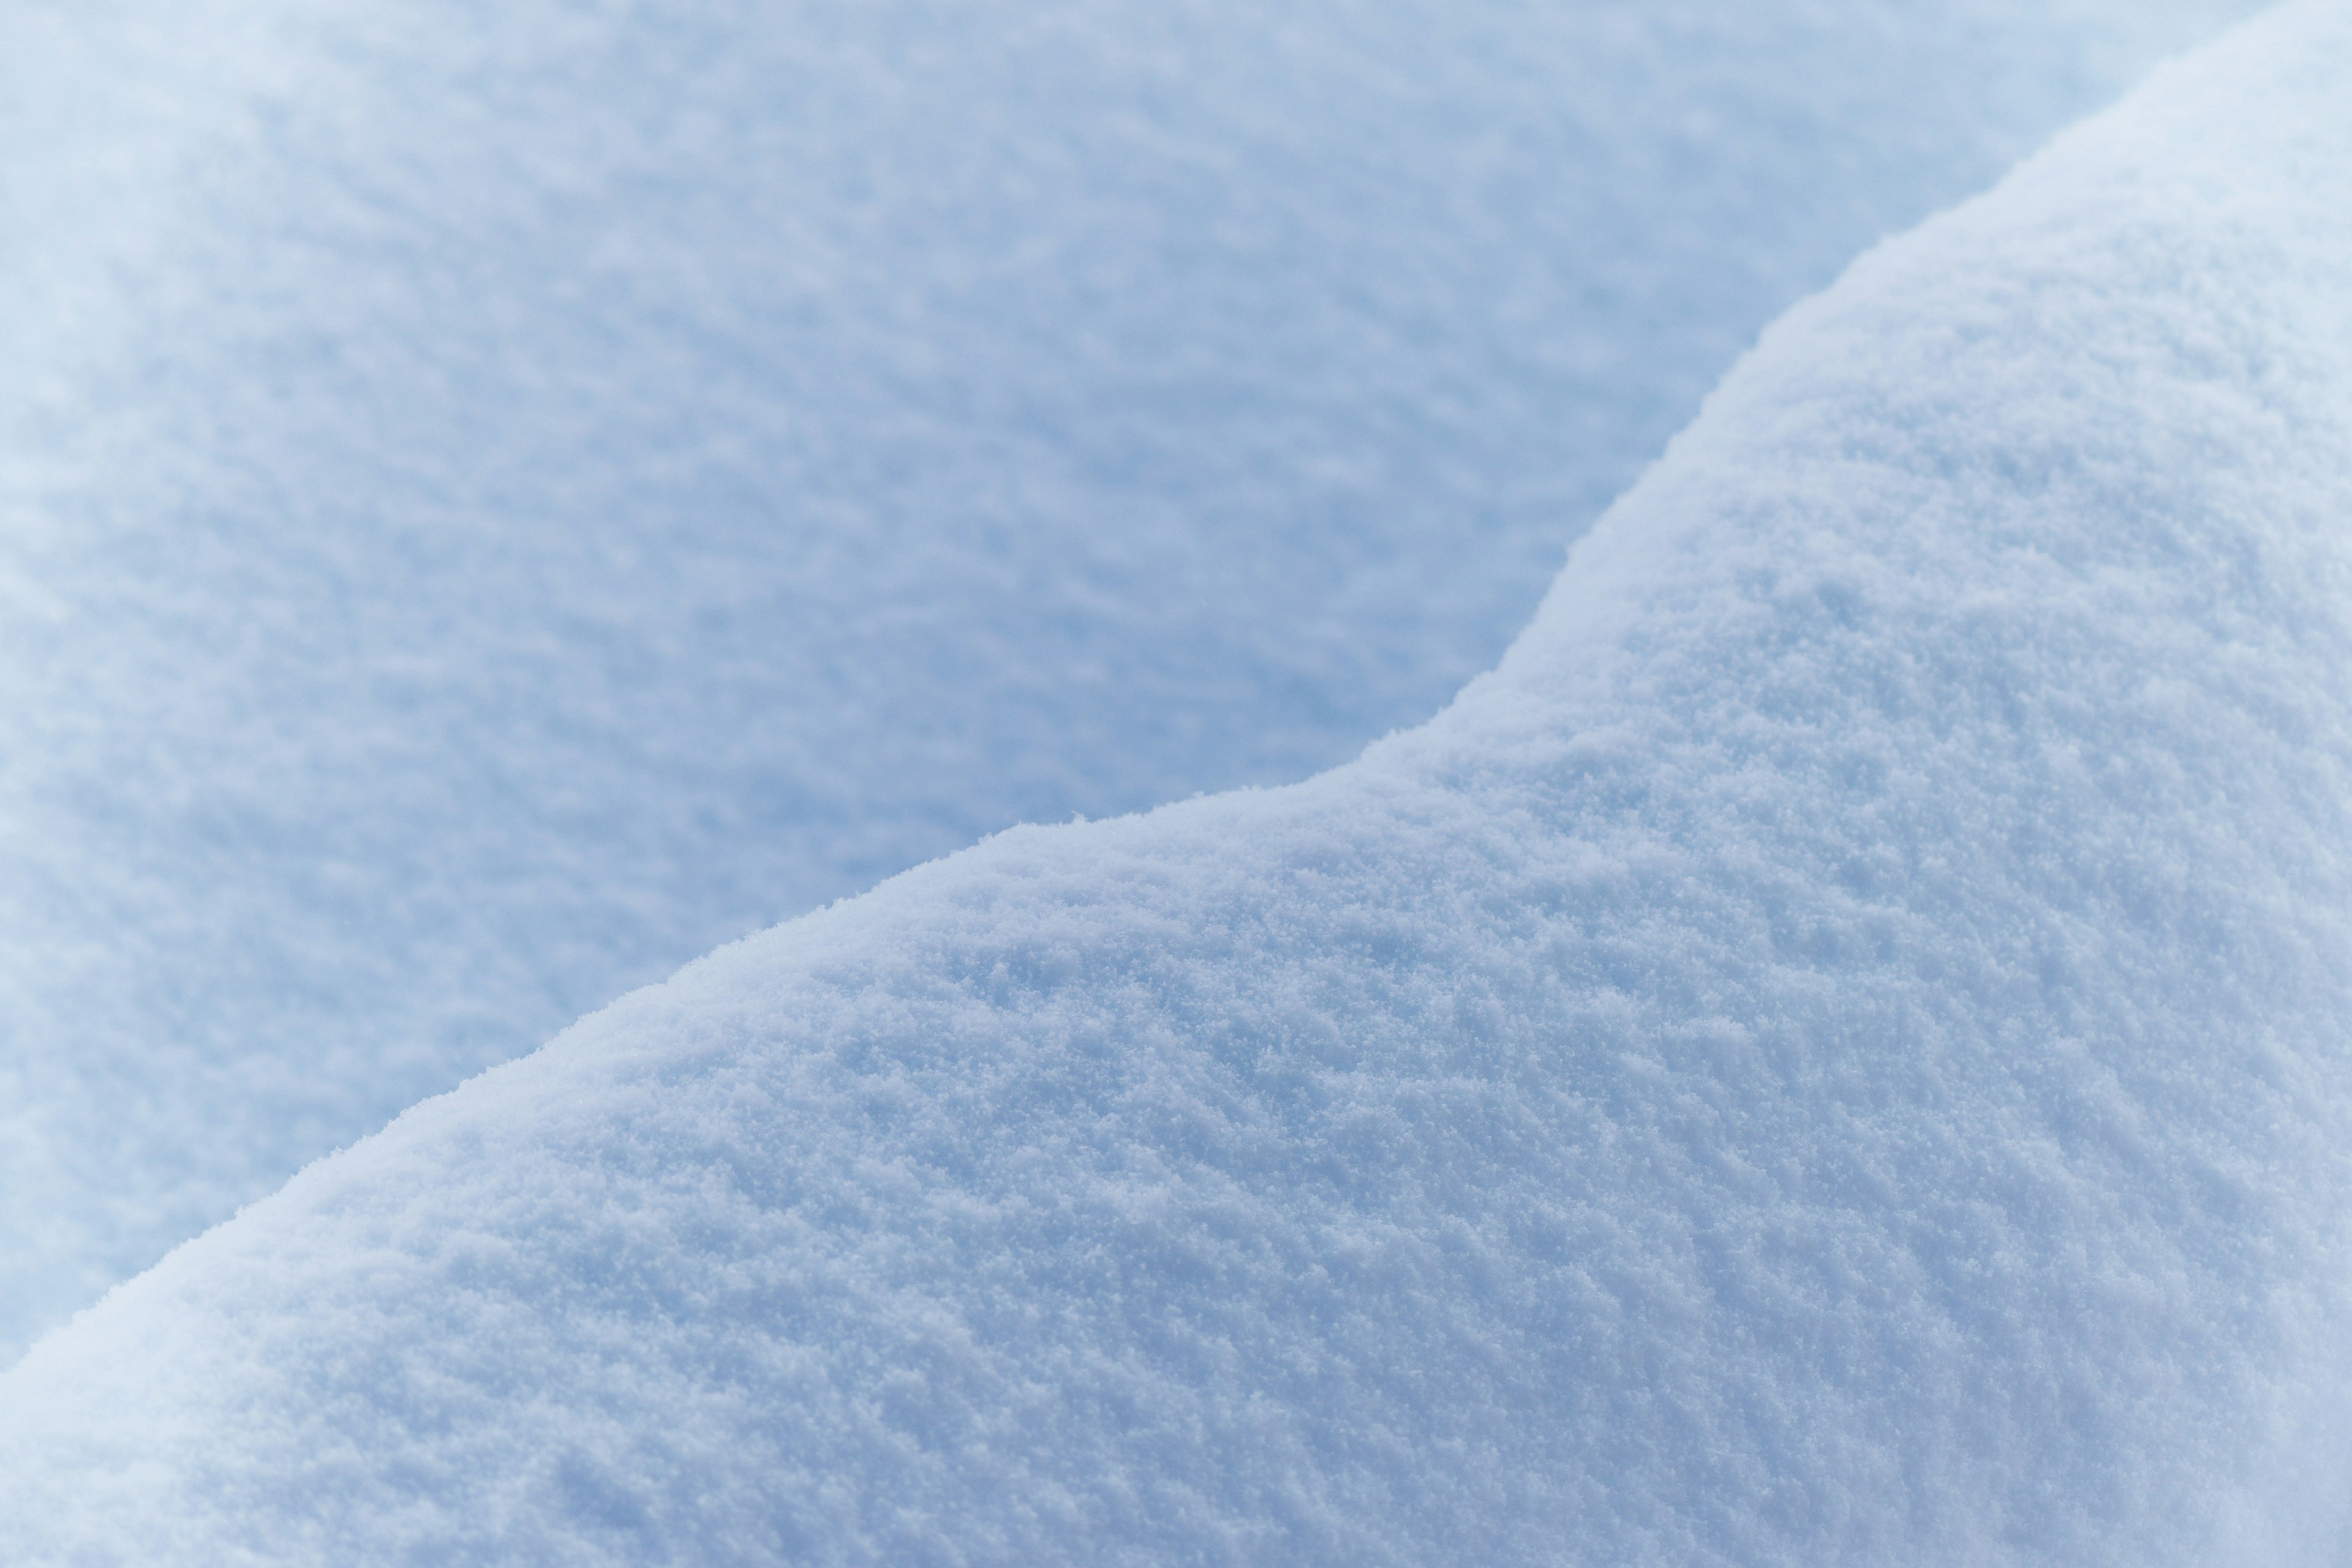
[[501, 499], [1835, 1052]]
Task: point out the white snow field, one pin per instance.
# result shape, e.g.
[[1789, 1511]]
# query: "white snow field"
[[500, 500], [1836, 1052]]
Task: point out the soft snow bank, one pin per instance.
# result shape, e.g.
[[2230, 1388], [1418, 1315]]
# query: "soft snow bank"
[[501, 499], [1836, 1052]]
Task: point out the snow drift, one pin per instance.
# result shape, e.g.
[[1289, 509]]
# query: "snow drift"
[[1835, 1052], [501, 500]]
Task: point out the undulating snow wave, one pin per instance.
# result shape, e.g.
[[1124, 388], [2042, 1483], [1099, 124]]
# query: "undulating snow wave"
[[504, 499], [501, 499], [1839, 1050]]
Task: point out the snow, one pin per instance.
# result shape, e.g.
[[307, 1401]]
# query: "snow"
[[1834, 1052], [501, 500]]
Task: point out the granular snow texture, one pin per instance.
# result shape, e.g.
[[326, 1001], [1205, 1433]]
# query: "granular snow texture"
[[501, 499], [1835, 1052]]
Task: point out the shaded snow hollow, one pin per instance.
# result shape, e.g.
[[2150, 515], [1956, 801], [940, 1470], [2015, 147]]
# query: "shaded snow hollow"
[[1835, 1052], [501, 499]]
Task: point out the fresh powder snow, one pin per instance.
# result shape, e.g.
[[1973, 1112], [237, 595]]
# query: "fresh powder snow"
[[1834, 1053], [501, 500]]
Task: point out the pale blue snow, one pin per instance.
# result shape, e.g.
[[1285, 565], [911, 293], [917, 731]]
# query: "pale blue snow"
[[500, 500], [1835, 1052]]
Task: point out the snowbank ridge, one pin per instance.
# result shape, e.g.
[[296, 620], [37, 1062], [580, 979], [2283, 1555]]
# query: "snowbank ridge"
[[496, 502], [1835, 1052]]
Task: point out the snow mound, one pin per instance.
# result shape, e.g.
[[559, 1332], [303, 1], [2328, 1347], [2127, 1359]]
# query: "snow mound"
[[1835, 1052], [501, 500]]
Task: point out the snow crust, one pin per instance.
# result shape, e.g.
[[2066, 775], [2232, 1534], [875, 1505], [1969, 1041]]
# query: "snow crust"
[[501, 500], [1835, 1052]]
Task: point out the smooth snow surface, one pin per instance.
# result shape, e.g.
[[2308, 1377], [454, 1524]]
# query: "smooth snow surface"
[[500, 500], [1837, 1052]]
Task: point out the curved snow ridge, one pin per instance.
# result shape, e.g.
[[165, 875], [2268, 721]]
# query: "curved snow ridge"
[[501, 500], [1834, 1052]]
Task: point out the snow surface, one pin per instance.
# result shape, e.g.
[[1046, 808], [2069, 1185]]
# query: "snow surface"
[[1835, 1052], [501, 499]]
